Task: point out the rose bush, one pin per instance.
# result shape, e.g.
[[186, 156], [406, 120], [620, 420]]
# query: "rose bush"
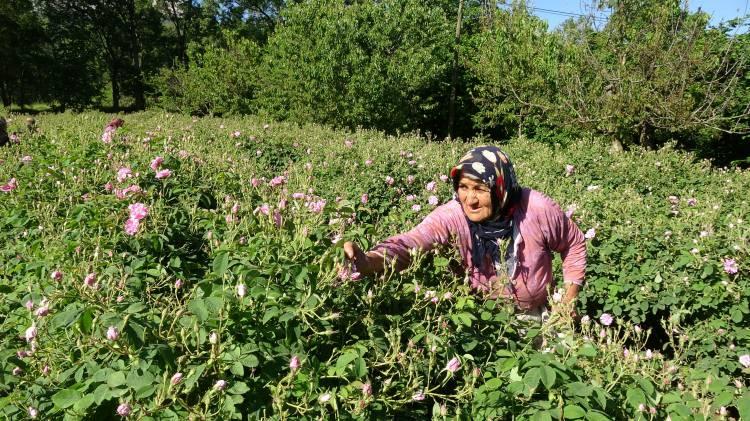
[[216, 290]]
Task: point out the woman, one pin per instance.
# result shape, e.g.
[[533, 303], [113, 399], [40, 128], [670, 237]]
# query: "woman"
[[505, 234]]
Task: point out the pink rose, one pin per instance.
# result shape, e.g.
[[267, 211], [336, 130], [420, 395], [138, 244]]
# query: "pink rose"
[[162, 174]]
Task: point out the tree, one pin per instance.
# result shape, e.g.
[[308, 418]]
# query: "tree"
[[119, 28], [376, 64], [653, 72], [515, 62], [22, 52]]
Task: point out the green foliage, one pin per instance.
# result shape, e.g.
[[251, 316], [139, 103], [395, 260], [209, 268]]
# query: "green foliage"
[[386, 332], [653, 73], [371, 64], [514, 60], [219, 79]]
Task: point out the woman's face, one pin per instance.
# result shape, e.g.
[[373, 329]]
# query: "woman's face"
[[475, 198]]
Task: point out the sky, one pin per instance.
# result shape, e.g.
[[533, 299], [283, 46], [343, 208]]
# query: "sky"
[[556, 11]]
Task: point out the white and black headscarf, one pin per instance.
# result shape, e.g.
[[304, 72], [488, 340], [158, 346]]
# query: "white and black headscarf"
[[491, 166]]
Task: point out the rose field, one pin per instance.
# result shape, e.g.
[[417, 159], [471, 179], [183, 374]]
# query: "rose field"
[[191, 268]]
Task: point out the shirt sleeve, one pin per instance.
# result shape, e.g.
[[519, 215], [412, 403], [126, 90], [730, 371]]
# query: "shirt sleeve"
[[436, 229], [563, 236]]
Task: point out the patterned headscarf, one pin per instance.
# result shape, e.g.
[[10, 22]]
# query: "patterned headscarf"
[[491, 166]]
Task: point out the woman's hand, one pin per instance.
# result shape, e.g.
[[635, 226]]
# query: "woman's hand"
[[361, 261]]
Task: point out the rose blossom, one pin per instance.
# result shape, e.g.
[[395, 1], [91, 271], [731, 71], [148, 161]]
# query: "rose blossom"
[[277, 220], [364, 199], [453, 365], [156, 163], [123, 410], [33, 412], [42, 311], [241, 290], [124, 173], [294, 363], [163, 174], [606, 319], [220, 385], [367, 389], [112, 333], [90, 280], [264, 209], [416, 208], [569, 170], [745, 360], [176, 378], [389, 180], [31, 332], [433, 201], [730, 266], [591, 233], [131, 226], [138, 211], [430, 186]]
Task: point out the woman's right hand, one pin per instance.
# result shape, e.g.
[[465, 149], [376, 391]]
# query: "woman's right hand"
[[359, 259]]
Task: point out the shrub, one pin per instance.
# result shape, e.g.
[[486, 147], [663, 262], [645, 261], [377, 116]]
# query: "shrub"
[[220, 79], [372, 64]]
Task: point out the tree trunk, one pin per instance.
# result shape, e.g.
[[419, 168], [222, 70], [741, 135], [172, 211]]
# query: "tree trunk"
[[645, 137], [114, 75], [616, 146], [454, 75], [136, 53], [5, 94]]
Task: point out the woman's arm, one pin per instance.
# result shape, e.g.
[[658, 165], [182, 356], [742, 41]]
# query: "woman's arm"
[[564, 236], [437, 228]]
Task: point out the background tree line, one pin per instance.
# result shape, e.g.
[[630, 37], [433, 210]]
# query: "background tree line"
[[654, 72]]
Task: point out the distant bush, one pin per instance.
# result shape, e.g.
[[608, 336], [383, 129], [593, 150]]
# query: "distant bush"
[[380, 65], [220, 79]]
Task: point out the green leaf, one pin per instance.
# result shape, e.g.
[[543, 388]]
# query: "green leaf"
[[116, 379], [238, 388], [588, 350], [360, 367], [344, 361], [84, 402], [736, 316], [249, 360], [597, 416], [135, 382], [548, 376], [66, 398], [531, 378], [86, 320], [214, 305], [237, 369], [578, 389], [743, 406], [572, 412], [221, 263], [135, 308], [635, 397], [102, 393], [541, 416], [66, 318], [198, 308]]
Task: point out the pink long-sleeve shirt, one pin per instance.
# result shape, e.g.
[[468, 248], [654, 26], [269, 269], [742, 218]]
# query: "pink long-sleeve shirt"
[[540, 227]]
